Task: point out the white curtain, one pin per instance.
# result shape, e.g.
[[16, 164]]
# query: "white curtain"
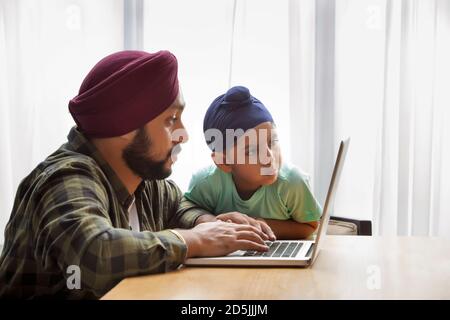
[[46, 49], [374, 70], [392, 98], [221, 44]]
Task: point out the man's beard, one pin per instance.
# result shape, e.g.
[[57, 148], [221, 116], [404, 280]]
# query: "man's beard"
[[137, 159]]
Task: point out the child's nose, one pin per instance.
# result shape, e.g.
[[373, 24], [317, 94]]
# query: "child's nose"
[[270, 154], [269, 159]]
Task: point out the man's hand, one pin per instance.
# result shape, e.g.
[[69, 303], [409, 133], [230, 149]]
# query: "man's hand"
[[205, 218], [240, 218], [221, 238]]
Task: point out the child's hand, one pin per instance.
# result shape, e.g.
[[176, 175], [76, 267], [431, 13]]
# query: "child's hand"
[[240, 218]]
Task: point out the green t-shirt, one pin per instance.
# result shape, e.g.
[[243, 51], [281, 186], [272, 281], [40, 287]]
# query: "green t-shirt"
[[289, 197]]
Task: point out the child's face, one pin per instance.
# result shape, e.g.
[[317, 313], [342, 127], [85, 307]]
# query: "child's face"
[[256, 158]]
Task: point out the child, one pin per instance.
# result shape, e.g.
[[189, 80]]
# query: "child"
[[248, 176]]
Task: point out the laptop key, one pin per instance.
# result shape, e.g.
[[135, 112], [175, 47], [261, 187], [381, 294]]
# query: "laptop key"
[[249, 253], [308, 254], [272, 247], [297, 249], [280, 249], [276, 249], [291, 247]]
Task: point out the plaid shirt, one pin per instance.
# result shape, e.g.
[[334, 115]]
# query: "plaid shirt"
[[72, 210]]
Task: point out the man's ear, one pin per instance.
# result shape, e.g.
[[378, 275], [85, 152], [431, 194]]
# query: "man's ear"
[[219, 159]]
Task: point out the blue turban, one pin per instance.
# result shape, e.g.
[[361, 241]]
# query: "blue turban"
[[236, 109]]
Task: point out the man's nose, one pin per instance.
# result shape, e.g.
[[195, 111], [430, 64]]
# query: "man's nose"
[[181, 135]]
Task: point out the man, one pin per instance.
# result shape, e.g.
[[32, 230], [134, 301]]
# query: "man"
[[99, 208]]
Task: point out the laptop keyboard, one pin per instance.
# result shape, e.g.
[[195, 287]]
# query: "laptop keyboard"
[[277, 249]]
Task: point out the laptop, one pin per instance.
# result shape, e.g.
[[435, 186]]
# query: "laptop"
[[289, 253]]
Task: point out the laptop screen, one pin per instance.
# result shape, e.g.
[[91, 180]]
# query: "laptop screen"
[[339, 164]]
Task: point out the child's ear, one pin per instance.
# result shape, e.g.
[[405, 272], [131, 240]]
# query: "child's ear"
[[219, 160]]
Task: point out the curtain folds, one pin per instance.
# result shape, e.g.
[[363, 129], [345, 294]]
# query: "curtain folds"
[[375, 70]]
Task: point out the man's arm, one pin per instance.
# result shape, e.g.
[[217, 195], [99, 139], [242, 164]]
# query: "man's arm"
[[185, 214], [207, 217], [190, 214], [210, 236], [221, 238], [72, 227]]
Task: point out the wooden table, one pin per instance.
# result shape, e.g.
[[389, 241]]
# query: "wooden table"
[[348, 267]]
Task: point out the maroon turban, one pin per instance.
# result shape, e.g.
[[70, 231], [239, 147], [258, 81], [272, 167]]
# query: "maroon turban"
[[124, 91]]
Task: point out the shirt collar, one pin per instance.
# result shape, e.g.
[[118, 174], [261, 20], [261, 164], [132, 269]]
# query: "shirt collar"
[[79, 143]]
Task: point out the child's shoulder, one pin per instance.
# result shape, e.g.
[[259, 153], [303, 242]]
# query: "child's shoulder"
[[208, 174], [291, 176]]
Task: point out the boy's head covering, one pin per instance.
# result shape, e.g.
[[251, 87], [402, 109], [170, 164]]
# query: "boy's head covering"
[[124, 91], [236, 109]]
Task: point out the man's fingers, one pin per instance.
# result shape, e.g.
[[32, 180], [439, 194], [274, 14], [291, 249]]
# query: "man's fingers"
[[267, 230], [249, 235], [241, 219], [250, 245], [255, 223], [243, 227], [262, 226], [233, 217], [238, 218]]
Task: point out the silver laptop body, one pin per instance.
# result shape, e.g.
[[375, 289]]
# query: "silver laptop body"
[[289, 253]]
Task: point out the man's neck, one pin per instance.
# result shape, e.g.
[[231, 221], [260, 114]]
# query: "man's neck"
[[130, 180]]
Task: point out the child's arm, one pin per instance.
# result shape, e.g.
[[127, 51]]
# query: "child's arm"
[[290, 229]]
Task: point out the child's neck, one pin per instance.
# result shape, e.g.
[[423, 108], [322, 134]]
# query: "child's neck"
[[244, 189]]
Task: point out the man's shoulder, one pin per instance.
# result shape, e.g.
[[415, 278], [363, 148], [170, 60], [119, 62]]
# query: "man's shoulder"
[[65, 164], [60, 178]]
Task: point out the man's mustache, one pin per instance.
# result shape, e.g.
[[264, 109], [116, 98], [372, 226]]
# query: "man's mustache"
[[174, 151]]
